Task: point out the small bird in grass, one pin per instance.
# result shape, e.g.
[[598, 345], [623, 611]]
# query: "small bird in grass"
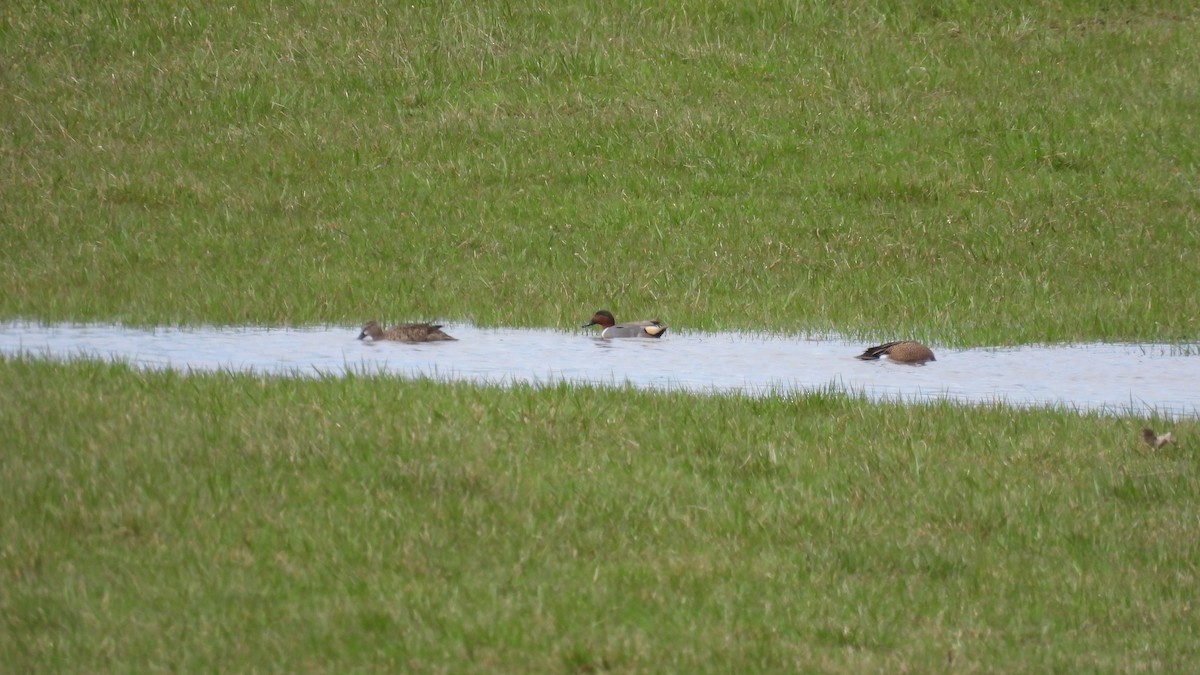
[[611, 329], [405, 332], [901, 351], [1156, 441]]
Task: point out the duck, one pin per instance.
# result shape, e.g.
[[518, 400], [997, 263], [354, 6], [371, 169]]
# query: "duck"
[[1156, 441], [900, 351], [405, 332], [611, 329]]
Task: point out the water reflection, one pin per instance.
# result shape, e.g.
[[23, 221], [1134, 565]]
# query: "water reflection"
[[1139, 378]]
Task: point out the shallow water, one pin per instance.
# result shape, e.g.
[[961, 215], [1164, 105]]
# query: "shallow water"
[[1119, 378]]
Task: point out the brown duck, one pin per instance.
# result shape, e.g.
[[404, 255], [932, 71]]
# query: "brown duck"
[[1156, 441], [901, 351], [405, 332]]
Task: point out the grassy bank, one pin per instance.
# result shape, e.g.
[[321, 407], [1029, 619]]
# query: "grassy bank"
[[999, 173], [155, 521]]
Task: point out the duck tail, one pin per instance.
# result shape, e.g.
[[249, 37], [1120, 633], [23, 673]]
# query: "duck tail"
[[877, 351]]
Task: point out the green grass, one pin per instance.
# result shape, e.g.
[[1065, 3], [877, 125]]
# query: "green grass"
[[1006, 173], [156, 521], [969, 173]]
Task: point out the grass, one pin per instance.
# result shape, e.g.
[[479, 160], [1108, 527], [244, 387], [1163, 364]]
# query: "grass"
[[973, 174], [157, 521], [1014, 173]]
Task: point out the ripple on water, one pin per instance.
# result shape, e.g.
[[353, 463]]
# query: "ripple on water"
[[1110, 377]]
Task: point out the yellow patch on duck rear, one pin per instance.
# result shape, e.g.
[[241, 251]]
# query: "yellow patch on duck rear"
[[654, 330]]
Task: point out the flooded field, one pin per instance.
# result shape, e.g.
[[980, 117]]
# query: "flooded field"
[[1120, 378]]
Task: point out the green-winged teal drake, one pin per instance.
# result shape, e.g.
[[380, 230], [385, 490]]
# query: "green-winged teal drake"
[[901, 351], [611, 329], [1156, 441], [405, 332]]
